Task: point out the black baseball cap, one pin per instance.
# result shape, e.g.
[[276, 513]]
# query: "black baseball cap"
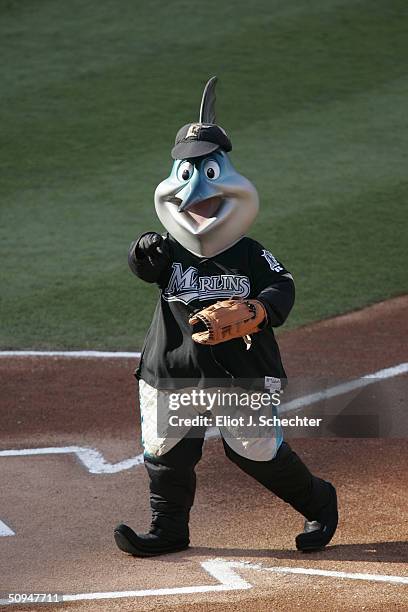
[[197, 139]]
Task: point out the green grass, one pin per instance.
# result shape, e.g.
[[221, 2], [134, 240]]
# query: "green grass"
[[313, 93]]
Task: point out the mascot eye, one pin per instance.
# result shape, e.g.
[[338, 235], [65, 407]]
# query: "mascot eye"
[[211, 169], [185, 171]]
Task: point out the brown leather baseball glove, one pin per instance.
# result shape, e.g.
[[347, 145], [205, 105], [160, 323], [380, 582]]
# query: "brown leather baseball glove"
[[226, 320]]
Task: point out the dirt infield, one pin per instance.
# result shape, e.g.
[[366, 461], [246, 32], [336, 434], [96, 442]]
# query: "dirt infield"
[[63, 502]]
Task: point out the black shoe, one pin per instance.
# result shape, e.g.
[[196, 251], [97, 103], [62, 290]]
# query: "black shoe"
[[318, 533], [148, 544]]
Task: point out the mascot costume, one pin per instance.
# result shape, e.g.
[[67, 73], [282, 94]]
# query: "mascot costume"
[[221, 295]]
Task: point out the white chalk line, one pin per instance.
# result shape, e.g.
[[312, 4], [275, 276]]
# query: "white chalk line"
[[315, 572], [336, 574], [73, 354], [5, 530], [229, 580], [341, 389], [94, 461], [91, 459]]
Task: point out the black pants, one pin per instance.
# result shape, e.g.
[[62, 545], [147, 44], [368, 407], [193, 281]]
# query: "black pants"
[[173, 483]]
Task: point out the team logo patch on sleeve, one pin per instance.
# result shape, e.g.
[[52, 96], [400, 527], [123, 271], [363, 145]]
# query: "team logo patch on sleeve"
[[272, 261]]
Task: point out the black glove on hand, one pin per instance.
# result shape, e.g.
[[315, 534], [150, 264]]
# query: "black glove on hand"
[[150, 245], [149, 256]]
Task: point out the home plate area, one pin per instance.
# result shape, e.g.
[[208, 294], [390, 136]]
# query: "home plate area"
[[242, 552], [71, 469]]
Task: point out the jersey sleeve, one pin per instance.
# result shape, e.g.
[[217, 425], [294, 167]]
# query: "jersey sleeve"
[[272, 284]]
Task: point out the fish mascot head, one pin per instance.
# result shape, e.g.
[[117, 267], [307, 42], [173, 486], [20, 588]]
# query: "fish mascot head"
[[205, 204]]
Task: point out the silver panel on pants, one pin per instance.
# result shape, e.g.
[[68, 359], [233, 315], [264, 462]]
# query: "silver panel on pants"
[[262, 448]]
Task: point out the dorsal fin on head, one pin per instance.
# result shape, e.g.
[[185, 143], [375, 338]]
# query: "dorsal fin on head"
[[207, 108]]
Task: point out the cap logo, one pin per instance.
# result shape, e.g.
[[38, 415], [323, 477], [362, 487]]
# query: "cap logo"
[[193, 130]]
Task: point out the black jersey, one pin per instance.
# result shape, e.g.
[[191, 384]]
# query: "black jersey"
[[189, 283]]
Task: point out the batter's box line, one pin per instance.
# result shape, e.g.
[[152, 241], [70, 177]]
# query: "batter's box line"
[[224, 571], [91, 459]]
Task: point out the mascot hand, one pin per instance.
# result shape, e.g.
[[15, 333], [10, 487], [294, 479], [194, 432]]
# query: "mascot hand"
[[151, 245]]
